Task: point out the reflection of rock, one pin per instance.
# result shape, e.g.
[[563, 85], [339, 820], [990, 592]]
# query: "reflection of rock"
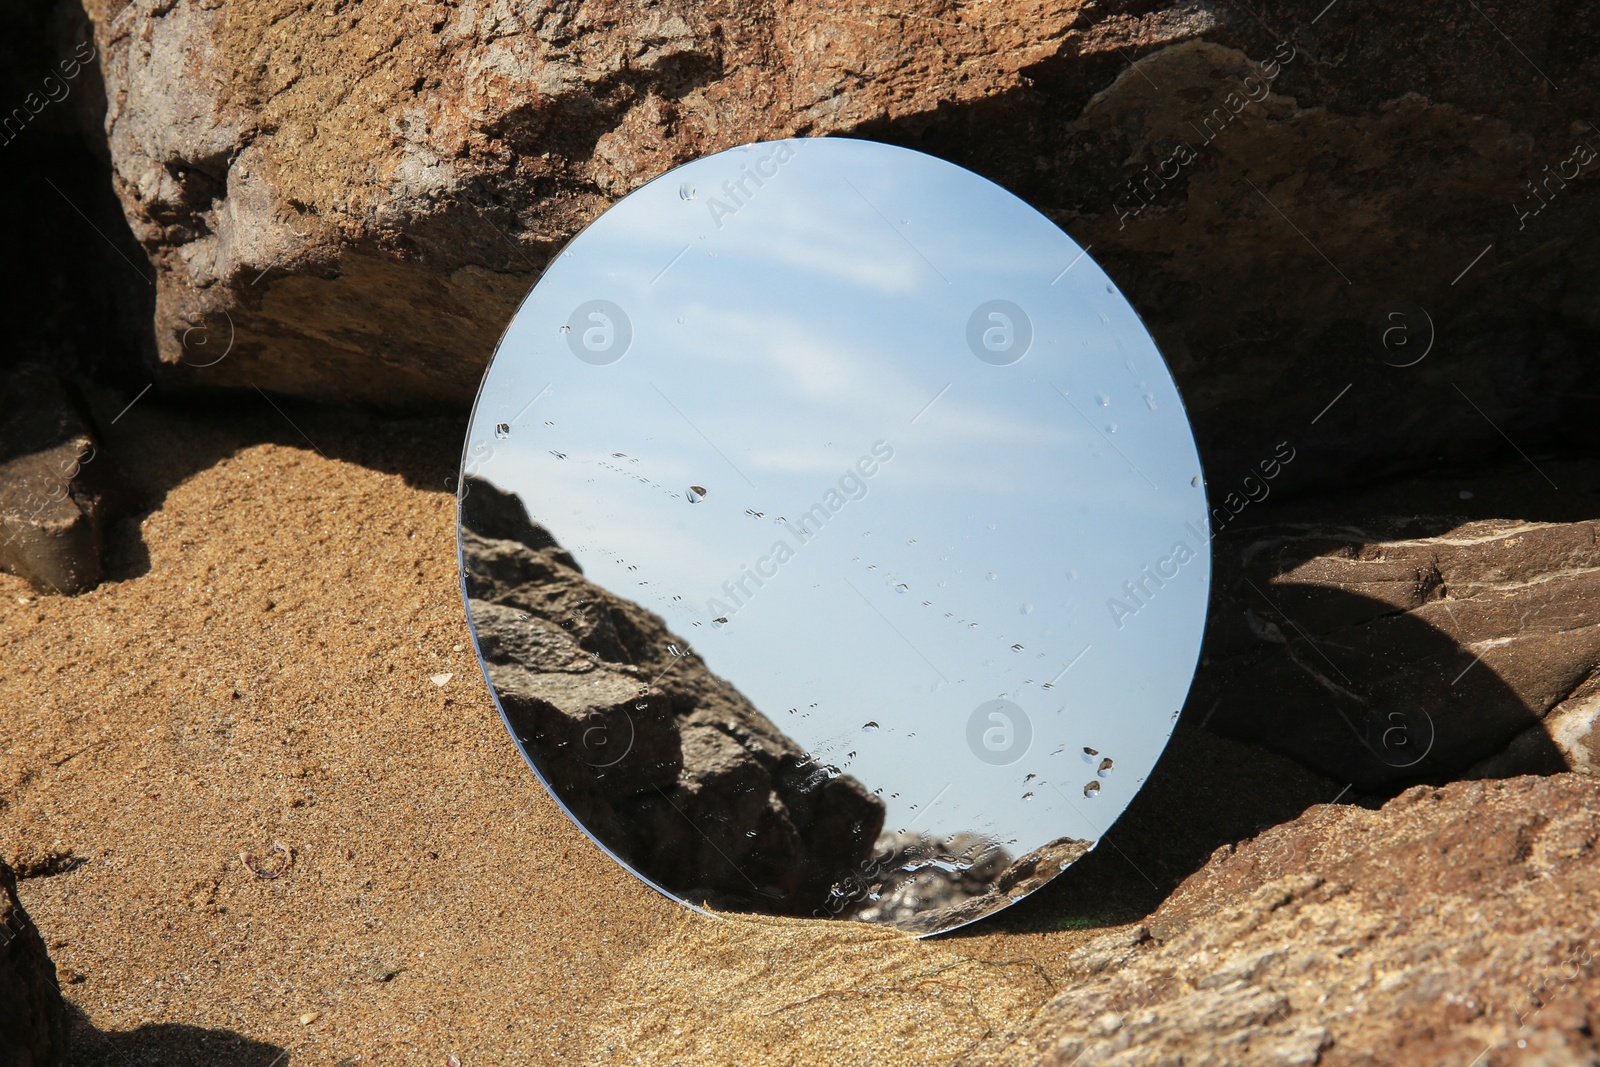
[[33, 1018], [667, 764], [923, 883]]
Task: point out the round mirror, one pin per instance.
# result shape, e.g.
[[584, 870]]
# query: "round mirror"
[[833, 537]]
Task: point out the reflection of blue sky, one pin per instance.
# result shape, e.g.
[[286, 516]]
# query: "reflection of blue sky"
[[824, 315]]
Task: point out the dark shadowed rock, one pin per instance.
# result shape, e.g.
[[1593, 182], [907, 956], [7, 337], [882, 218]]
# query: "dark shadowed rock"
[[1454, 925], [33, 1017], [56, 489], [1408, 650], [665, 763]]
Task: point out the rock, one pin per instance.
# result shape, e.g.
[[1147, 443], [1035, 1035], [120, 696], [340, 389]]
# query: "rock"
[[1398, 651], [56, 488], [33, 1017], [666, 764], [357, 199], [1453, 925]]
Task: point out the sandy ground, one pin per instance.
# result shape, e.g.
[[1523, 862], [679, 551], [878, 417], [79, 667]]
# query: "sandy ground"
[[260, 679]]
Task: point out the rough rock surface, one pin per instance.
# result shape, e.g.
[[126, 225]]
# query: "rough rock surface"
[[1408, 650], [33, 1017], [1453, 925], [664, 762], [56, 489], [351, 200]]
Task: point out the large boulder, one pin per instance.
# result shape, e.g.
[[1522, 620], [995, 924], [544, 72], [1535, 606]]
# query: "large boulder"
[[33, 1017], [1403, 650], [1453, 925], [349, 201]]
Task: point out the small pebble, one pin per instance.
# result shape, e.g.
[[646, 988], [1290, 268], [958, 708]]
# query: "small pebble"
[[440, 679], [310, 1017]]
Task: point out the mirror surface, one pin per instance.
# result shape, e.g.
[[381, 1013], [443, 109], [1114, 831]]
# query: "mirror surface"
[[834, 538]]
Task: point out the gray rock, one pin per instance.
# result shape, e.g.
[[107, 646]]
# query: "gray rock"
[[33, 1017], [923, 884]]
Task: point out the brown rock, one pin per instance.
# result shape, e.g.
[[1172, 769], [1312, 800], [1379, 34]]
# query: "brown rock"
[[33, 1017], [1454, 925], [665, 763], [56, 488], [356, 198], [1407, 650]]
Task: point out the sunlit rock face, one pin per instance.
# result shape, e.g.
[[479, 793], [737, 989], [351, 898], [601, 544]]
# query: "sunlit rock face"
[[355, 199]]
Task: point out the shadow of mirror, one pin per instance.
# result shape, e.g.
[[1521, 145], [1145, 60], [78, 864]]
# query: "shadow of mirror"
[[1402, 651]]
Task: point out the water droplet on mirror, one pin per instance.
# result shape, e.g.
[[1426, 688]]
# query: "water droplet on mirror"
[[972, 626], [1087, 751], [870, 728], [1027, 609], [749, 833], [558, 455], [1105, 767], [1092, 789], [1016, 648], [1105, 401], [901, 587], [1195, 481], [1029, 778], [502, 431], [686, 191], [991, 576], [1150, 401], [1027, 796], [695, 494], [719, 622], [1110, 288], [1111, 427], [565, 328]]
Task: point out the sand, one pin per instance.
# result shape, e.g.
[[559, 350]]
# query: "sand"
[[260, 678]]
